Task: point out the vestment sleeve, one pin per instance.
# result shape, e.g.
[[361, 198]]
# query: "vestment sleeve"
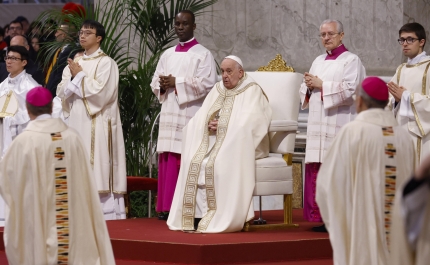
[[420, 105], [155, 84], [192, 88], [338, 93]]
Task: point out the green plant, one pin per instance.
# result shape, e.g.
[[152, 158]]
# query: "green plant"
[[149, 23]]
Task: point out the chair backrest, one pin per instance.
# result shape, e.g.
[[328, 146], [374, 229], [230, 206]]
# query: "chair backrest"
[[282, 89]]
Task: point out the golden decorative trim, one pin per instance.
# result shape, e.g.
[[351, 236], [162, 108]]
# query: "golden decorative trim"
[[423, 90], [276, 65], [417, 64], [110, 155], [104, 191], [225, 102], [119, 192], [96, 57], [399, 70], [115, 192], [419, 149], [288, 158], [93, 138], [411, 99], [6, 103], [87, 106]]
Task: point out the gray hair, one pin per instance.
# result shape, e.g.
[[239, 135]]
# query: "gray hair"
[[370, 102], [339, 25]]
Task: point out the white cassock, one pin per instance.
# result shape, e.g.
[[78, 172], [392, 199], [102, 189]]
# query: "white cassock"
[[326, 117], [53, 211], [217, 175], [413, 110], [195, 73], [90, 101], [11, 126], [369, 159], [411, 227]]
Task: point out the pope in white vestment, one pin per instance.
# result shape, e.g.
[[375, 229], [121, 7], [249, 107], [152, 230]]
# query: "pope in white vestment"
[[90, 101], [368, 161], [53, 212], [217, 175]]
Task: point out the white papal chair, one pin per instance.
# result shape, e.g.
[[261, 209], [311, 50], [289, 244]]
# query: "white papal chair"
[[274, 174]]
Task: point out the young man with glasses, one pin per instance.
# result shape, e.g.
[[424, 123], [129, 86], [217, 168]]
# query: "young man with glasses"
[[89, 93], [409, 88], [327, 90], [15, 28]]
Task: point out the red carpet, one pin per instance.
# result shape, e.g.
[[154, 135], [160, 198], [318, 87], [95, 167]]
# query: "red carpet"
[[148, 241]]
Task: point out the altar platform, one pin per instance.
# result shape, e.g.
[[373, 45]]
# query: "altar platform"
[[144, 241]]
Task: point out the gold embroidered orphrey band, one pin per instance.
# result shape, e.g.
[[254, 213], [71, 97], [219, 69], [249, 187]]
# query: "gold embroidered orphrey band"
[[224, 102], [3, 112], [411, 98]]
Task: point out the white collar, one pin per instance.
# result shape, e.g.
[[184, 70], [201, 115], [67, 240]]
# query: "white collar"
[[183, 43], [44, 117], [94, 54], [417, 58], [13, 80]]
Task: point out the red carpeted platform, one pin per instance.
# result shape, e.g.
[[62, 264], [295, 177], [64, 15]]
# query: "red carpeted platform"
[[148, 241]]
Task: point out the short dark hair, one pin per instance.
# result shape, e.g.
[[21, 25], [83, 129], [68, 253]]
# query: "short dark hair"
[[416, 28], [19, 49], [21, 18], [193, 17], [1, 32], [92, 24], [16, 22], [370, 102], [37, 111]]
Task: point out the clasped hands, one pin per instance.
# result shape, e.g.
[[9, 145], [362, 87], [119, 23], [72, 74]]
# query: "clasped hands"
[[396, 90], [213, 125], [75, 68], [312, 81], [166, 82]]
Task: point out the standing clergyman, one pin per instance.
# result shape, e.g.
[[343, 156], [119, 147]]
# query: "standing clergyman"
[[327, 91], [89, 92], [184, 76]]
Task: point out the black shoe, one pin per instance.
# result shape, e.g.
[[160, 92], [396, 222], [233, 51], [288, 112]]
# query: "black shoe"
[[196, 223], [163, 216], [320, 229]]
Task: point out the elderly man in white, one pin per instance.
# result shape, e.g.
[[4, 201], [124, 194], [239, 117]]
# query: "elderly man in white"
[[220, 145], [327, 91]]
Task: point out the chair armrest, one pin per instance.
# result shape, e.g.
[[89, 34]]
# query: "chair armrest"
[[283, 126]]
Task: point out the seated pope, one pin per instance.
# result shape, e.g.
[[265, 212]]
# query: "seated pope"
[[220, 146]]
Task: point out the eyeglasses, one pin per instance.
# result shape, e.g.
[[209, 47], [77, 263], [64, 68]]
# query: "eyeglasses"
[[408, 40], [15, 28], [330, 35], [85, 33], [12, 58]]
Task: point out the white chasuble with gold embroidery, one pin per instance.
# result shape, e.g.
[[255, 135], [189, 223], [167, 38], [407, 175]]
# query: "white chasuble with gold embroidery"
[[413, 110], [223, 197], [90, 101], [368, 161], [53, 214]]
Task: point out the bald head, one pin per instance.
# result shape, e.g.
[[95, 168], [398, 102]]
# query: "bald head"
[[20, 40]]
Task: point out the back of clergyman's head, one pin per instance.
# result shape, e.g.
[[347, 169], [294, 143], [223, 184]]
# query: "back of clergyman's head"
[[374, 92], [39, 101], [92, 24]]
